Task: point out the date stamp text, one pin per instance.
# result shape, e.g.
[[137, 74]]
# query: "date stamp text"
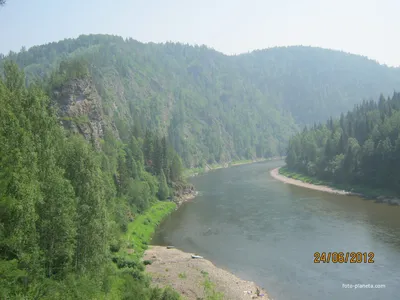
[[344, 257]]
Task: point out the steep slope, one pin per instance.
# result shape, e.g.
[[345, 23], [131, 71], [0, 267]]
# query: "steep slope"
[[212, 106], [66, 208]]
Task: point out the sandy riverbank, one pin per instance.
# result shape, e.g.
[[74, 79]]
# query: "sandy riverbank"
[[187, 275], [275, 173]]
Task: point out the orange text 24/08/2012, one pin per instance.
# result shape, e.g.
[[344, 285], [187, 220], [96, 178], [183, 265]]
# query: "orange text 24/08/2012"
[[344, 257]]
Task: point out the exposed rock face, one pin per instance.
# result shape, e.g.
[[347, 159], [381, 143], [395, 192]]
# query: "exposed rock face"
[[81, 111], [183, 192]]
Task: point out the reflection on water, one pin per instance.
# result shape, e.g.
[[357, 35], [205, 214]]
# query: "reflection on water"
[[267, 231]]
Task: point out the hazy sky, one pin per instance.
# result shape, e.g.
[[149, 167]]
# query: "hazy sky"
[[367, 27]]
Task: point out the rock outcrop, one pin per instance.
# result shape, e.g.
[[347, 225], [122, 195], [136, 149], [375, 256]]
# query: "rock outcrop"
[[183, 192], [81, 111]]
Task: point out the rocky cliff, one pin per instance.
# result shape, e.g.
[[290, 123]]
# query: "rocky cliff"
[[81, 111]]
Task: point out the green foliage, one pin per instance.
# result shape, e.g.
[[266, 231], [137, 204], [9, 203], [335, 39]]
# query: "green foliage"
[[65, 206], [182, 275], [209, 289], [211, 107], [69, 70], [176, 168], [163, 190], [61, 212], [362, 148], [141, 230]]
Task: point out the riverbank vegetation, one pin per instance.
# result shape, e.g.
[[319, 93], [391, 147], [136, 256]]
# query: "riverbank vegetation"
[[209, 167], [351, 189], [360, 151], [66, 206], [141, 230]]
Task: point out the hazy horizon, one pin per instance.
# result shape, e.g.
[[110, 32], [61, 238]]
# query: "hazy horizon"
[[232, 27]]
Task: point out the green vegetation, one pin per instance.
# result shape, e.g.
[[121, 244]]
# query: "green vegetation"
[[362, 190], [360, 150], [182, 275], [298, 176], [211, 107], [209, 289], [78, 205], [215, 166], [65, 208], [141, 230], [78, 120]]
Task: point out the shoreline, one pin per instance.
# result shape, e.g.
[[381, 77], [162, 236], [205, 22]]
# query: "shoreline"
[[186, 197], [196, 278], [323, 188], [213, 167], [384, 199]]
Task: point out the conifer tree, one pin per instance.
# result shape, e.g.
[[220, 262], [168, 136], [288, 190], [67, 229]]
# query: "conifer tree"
[[163, 191]]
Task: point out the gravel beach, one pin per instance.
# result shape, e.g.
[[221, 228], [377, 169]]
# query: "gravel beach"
[[275, 173], [187, 275]]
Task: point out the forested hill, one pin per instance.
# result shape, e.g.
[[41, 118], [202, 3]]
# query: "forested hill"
[[360, 148], [214, 107], [315, 84], [65, 207]]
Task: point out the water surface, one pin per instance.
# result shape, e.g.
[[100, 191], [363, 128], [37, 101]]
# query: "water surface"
[[266, 231]]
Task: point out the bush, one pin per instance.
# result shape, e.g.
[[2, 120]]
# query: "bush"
[[124, 262], [115, 246]]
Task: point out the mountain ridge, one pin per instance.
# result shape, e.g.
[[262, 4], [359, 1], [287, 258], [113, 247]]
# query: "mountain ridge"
[[212, 48], [215, 107]]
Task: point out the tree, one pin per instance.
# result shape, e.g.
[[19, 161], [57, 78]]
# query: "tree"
[[83, 171], [163, 190], [157, 156], [148, 149], [176, 168], [164, 154]]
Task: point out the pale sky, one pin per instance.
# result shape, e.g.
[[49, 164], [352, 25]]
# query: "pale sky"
[[367, 27]]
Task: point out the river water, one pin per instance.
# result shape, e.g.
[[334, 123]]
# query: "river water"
[[266, 231]]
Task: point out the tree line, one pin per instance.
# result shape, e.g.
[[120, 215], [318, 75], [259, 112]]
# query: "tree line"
[[361, 147]]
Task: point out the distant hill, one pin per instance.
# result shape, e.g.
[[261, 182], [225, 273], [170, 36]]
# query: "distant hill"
[[214, 107]]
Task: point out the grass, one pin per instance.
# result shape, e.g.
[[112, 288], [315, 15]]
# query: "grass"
[[182, 275], [364, 191], [209, 289], [137, 237], [141, 230]]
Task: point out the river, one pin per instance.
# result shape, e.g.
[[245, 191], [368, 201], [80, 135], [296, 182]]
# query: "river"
[[266, 231]]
